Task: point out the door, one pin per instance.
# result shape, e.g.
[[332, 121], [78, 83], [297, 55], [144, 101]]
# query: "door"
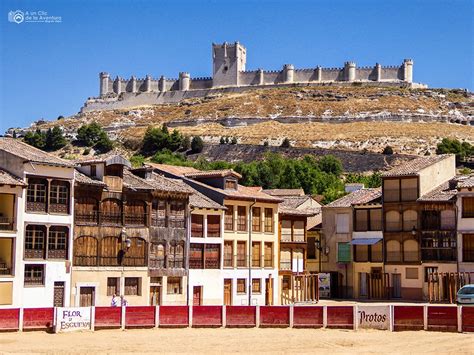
[[155, 295], [363, 284], [268, 292], [87, 296], [58, 298], [197, 295], [228, 292], [397, 285]]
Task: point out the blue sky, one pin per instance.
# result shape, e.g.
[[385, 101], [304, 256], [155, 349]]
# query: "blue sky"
[[47, 70]]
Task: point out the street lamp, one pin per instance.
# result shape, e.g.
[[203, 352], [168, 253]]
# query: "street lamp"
[[317, 244]]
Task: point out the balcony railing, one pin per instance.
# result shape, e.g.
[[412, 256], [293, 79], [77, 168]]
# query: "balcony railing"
[[196, 263], [411, 256], [228, 261], [34, 254], [256, 262], [268, 262], [286, 237], [157, 263], [394, 256], [377, 257], [285, 264], [134, 261], [58, 208], [176, 262], [212, 263], [87, 217], [57, 254], [85, 260], [393, 226], [176, 222], [136, 219], [7, 224], [438, 254], [241, 261], [34, 281], [111, 218], [36, 206]]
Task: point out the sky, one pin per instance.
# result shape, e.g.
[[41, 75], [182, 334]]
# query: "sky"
[[50, 69]]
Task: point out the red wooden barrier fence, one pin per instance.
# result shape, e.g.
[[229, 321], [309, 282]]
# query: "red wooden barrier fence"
[[408, 318], [308, 316], [174, 316], [207, 316], [38, 318], [274, 316], [443, 318], [140, 316], [9, 319], [467, 319], [240, 316], [108, 317], [341, 317]]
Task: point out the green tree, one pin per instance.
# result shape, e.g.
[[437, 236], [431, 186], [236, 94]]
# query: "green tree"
[[454, 146], [90, 134], [388, 150], [197, 144], [286, 143], [137, 160], [54, 139], [36, 139], [330, 164], [186, 144]]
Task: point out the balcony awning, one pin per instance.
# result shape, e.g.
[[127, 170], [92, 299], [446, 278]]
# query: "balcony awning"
[[365, 241]]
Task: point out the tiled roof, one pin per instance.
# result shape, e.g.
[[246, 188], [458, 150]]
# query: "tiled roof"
[[109, 157], [134, 182], [413, 167], [357, 197], [9, 179], [161, 183], [291, 206], [199, 200], [175, 170], [443, 192], [31, 154], [285, 192], [213, 173], [466, 182], [87, 180]]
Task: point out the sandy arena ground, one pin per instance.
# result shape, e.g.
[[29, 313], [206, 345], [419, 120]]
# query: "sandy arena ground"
[[247, 341]]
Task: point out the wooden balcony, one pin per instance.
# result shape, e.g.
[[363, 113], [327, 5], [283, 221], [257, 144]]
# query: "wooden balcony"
[[34, 254], [57, 254], [111, 218], [157, 263], [36, 206], [59, 208], [136, 219], [90, 218]]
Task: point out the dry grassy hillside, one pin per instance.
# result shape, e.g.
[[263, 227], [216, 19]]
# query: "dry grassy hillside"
[[373, 117]]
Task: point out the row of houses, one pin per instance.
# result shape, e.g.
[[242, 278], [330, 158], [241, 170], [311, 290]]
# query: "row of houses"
[[79, 233], [388, 242]]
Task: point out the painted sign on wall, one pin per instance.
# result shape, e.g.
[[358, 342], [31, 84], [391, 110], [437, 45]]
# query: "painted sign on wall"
[[373, 317], [73, 319], [324, 285]]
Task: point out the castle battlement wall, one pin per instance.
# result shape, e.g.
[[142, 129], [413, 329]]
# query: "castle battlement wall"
[[229, 62]]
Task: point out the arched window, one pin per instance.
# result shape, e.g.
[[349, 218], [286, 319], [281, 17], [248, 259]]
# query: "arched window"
[[59, 196], [86, 210], [135, 213], [176, 255], [410, 250], [157, 255], [58, 242], [36, 195], [111, 211], [109, 251], [393, 250], [35, 240], [85, 251], [392, 221], [410, 218], [136, 255]]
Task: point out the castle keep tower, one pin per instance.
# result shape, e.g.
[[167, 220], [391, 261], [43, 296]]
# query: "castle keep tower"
[[227, 61]]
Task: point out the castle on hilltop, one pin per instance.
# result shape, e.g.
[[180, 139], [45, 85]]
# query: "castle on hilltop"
[[229, 74]]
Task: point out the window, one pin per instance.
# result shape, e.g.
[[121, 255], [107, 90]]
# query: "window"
[[241, 287], [410, 218], [411, 273], [298, 231], [35, 241], [376, 253], [468, 247], [256, 286], [393, 251], [256, 221], [430, 220], [241, 218], [230, 184], [197, 226], [57, 242], [375, 219], [85, 251], [268, 254], [36, 195], [409, 189], [256, 254], [286, 230], [174, 286], [342, 223], [176, 255], [34, 275], [229, 218], [176, 219], [391, 190], [59, 192], [361, 220], [213, 226], [393, 221], [431, 270], [159, 213], [196, 256], [410, 250], [228, 253], [285, 259], [361, 253], [343, 253], [268, 220], [132, 286], [468, 207], [212, 254], [241, 254], [93, 171], [113, 286]]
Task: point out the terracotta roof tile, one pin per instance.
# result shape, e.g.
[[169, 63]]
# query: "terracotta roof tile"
[[175, 170], [213, 173], [200, 200], [291, 206], [357, 197], [440, 193], [81, 178], [413, 167], [134, 182], [31, 154], [9, 179], [466, 182], [161, 183], [285, 192]]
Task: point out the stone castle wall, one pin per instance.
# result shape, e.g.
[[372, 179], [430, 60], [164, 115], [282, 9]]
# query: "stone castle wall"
[[229, 62]]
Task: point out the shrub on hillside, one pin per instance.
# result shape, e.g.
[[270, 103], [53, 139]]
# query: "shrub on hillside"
[[197, 144]]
